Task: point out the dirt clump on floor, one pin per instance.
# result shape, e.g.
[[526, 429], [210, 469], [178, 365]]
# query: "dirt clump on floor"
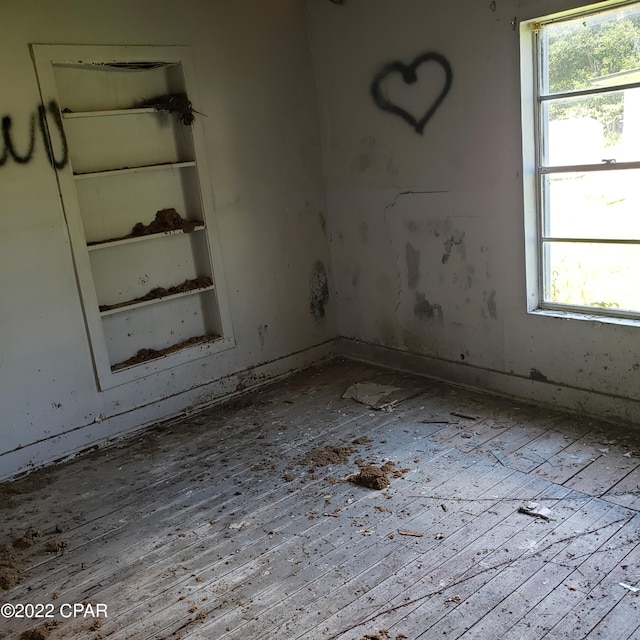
[[373, 477], [11, 491], [55, 546], [9, 576], [30, 537], [383, 634], [330, 455], [39, 633]]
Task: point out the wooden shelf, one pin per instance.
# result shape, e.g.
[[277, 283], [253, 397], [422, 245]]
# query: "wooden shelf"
[[145, 303], [150, 236], [151, 167]]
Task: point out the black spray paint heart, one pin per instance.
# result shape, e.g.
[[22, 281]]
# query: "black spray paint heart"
[[409, 75]]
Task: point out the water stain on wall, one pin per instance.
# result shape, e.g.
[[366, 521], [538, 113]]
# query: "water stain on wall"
[[413, 265], [319, 290], [355, 278], [262, 332], [424, 310], [323, 222], [456, 239], [365, 159], [491, 305]]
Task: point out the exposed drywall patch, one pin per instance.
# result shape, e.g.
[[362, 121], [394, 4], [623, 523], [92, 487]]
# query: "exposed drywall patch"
[[409, 76], [456, 239], [319, 288], [534, 374], [413, 265], [424, 310]]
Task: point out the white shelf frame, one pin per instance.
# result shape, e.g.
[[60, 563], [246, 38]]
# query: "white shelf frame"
[[108, 244], [45, 57], [147, 167], [125, 307]]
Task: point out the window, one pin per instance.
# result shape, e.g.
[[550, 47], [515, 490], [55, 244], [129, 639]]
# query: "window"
[[581, 123]]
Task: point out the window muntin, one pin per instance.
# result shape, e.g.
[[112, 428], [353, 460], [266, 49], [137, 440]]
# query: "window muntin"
[[588, 161]]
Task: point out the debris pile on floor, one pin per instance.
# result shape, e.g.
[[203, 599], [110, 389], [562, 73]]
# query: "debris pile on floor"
[[536, 510], [330, 455], [374, 477], [383, 634], [39, 633]]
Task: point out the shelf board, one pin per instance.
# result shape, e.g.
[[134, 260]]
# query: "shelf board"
[[150, 236], [70, 115], [144, 303], [150, 167]]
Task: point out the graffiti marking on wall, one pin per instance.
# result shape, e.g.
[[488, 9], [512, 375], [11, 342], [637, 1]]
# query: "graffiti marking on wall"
[[26, 155], [409, 75]]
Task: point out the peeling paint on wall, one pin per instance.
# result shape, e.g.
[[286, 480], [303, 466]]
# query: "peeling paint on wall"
[[319, 287], [424, 310], [413, 265]]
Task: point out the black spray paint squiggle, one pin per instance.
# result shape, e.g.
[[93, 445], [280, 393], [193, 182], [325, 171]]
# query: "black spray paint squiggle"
[[10, 150], [409, 75]]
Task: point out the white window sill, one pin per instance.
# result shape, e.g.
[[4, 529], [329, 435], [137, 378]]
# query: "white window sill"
[[596, 319]]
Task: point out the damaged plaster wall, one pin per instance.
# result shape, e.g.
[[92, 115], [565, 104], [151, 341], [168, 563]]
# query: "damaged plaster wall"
[[424, 192], [256, 91]]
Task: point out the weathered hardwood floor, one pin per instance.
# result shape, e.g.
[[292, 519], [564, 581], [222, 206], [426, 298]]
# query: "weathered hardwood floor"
[[221, 526]]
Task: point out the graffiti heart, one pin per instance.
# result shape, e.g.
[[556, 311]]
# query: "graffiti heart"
[[408, 73], [10, 150]]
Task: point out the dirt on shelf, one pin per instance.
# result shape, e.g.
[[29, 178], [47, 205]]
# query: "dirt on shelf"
[[165, 220], [144, 355], [200, 282]]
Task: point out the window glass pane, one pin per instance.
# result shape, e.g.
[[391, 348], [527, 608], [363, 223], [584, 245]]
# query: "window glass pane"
[[594, 204], [591, 129], [579, 53], [593, 275]]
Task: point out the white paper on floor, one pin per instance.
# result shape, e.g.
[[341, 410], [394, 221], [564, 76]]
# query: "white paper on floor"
[[378, 396]]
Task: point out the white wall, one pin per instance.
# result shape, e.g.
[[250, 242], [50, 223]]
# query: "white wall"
[[427, 230], [255, 85]]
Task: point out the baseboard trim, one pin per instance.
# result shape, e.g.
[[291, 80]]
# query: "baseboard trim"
[[548, 394], [69, 444]]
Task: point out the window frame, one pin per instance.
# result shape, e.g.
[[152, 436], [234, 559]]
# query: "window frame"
[[534, 139]]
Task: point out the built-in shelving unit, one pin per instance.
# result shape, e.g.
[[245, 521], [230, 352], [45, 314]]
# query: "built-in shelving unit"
[[136, 197]]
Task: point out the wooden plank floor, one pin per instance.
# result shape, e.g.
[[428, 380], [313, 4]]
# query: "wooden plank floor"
[[221, 526]]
